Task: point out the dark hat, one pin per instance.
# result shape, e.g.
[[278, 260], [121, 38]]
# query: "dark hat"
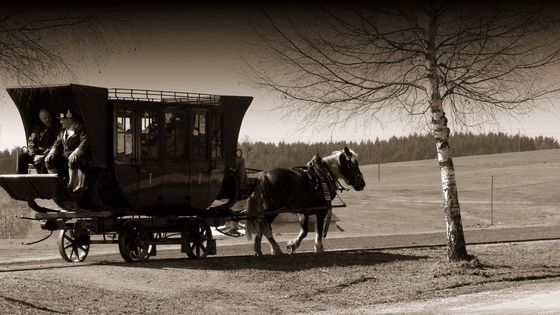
[[67, 113]]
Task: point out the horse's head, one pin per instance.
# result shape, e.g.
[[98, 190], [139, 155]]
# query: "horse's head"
[[350, 169]]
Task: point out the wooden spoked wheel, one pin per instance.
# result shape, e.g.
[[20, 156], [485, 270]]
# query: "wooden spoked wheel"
[[198, 238], [73, 246], [134, 241]]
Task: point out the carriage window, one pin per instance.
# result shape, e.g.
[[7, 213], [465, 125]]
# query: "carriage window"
[[123, 126], [175, 136], [217, 136], [199, 136], [149, 147]]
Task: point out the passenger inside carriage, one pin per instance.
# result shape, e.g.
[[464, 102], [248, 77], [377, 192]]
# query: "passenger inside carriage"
[[39, 143], [68, 155]]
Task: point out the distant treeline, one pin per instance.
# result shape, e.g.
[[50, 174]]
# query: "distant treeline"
[[8, 161], [262, 155]]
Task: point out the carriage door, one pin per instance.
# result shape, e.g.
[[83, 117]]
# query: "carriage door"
[[217, 165], [175, 174], [124, 153], [199, 162], [150, 162]]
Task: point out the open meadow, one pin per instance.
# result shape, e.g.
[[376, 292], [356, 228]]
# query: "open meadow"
[[408, 197]]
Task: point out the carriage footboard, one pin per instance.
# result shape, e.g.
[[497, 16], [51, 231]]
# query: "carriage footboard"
[[35, 186]]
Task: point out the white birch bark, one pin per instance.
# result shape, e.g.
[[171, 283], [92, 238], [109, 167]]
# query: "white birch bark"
[[456, 248]]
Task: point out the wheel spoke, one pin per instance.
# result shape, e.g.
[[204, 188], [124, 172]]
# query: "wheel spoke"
[[71, 253], [77, 253]]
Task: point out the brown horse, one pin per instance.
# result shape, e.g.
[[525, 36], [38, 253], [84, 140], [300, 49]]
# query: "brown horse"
[[305, 191]]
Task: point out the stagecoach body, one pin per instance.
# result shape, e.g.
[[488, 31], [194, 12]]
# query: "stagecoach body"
[[158, 163], [151, 152]]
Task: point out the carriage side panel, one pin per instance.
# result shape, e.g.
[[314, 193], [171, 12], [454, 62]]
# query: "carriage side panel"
[[235, 108]]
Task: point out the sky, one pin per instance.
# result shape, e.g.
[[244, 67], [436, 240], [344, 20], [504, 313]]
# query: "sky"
[[199, 49]]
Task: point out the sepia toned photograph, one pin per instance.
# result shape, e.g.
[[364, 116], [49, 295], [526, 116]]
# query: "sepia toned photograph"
[[268, 157]]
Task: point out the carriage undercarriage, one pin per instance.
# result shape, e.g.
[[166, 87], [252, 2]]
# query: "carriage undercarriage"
[[137, 237]]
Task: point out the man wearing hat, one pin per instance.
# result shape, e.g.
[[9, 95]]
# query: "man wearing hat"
[[39, 143], [69, 150]]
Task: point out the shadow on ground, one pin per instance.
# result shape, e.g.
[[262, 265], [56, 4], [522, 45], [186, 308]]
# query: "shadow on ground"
[[296, 262]]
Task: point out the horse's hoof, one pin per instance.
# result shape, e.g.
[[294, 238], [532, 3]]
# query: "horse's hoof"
[[319, 249], [290, 248], [258, 254]]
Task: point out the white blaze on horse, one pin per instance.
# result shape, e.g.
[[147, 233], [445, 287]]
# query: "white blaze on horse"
[[305, 191]]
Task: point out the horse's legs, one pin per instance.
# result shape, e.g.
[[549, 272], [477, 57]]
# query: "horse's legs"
[[294, 244], [319, 231], [274, 247], [257, 244]]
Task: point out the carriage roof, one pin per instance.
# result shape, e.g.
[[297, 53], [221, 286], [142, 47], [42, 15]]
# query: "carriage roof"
[[93, 104]]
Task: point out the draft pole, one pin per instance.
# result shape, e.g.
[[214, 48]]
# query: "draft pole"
[[492, 200]]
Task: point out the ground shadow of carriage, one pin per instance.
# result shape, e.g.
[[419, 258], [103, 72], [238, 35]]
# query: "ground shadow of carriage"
[[299, 262]]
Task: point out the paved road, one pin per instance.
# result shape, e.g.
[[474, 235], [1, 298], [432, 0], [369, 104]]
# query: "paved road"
[[478, 236]]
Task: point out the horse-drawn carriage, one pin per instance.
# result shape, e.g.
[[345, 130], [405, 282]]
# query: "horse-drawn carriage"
[[163, 167]]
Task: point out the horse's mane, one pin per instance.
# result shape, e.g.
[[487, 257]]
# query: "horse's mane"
[[354, 157]]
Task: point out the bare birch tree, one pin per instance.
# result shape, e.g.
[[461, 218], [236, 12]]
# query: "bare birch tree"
[[470, 61]]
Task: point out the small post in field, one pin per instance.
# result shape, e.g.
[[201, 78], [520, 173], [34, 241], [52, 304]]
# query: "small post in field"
[[378, 160], [492, 201]]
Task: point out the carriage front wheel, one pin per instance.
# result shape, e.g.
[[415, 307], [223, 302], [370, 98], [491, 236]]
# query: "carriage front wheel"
[[199, 240], [73, 246], [134, 241]]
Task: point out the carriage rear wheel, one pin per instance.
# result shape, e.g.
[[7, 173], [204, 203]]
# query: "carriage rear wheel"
[[134, 241], [73, 246], [198, 239]]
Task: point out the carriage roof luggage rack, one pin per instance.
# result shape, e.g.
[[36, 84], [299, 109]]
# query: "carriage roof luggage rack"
[[163, 96]]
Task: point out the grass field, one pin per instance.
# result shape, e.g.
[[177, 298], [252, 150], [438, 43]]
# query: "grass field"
[[408, 197]]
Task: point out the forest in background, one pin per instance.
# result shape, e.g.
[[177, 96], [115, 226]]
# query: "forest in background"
[[261, 155]]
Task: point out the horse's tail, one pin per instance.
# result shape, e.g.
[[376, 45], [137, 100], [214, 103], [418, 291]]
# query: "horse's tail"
[[255, 210]]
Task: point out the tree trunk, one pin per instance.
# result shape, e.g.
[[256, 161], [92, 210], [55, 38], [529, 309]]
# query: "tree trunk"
[[456, 248]]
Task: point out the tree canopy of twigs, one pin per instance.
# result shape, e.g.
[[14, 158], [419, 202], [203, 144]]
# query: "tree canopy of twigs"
[[39, 41], [342, 60]]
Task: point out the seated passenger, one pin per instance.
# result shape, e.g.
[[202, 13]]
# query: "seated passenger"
[[68, 152], [39, 143]]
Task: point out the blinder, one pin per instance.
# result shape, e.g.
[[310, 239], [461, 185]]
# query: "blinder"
[[351, 171]]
